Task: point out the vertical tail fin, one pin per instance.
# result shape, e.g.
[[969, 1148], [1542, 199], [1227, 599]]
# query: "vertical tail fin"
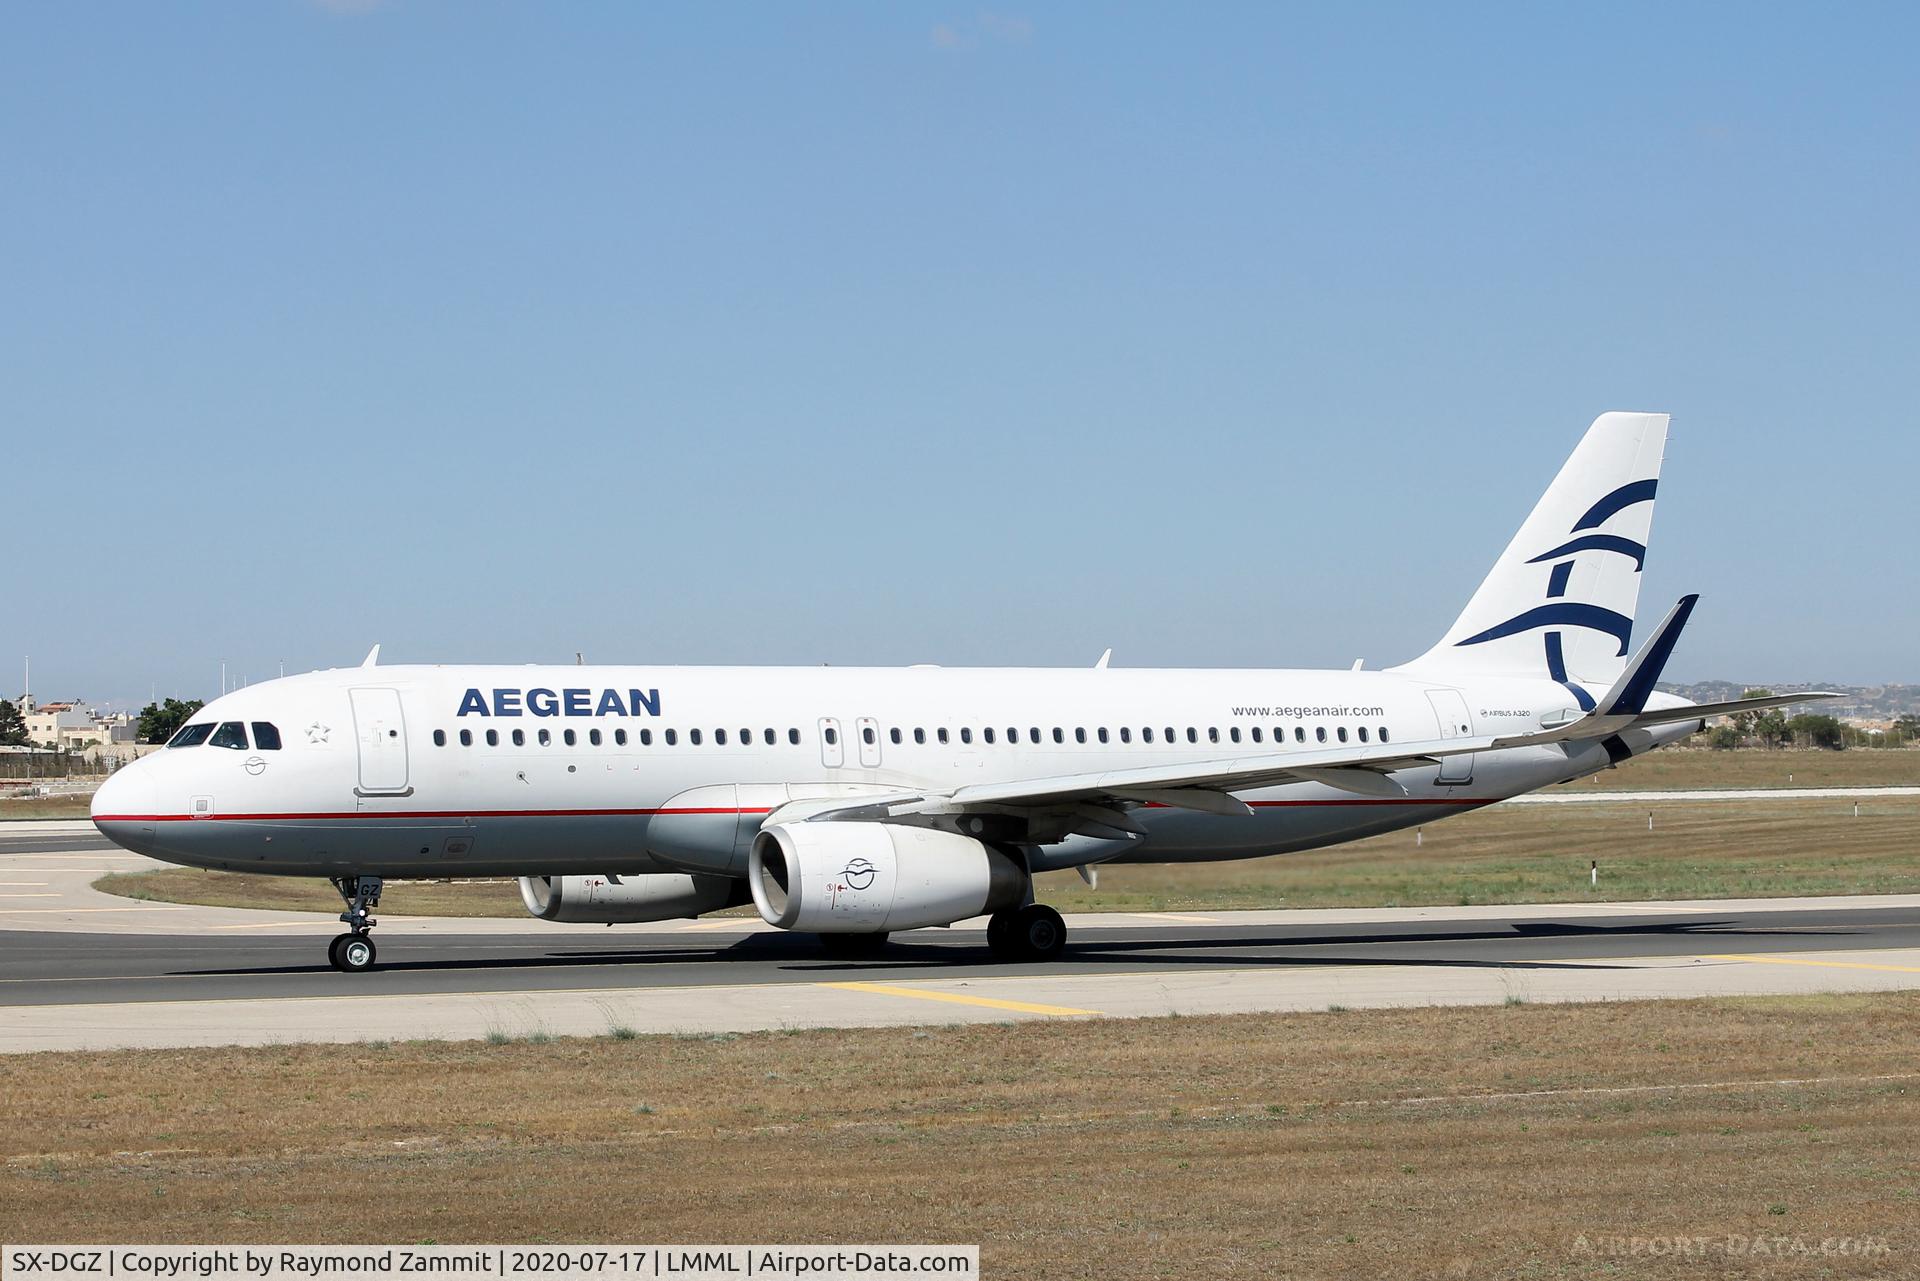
[[1559, 602]]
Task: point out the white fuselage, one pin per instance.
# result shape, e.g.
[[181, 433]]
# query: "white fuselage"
[[470, 771]]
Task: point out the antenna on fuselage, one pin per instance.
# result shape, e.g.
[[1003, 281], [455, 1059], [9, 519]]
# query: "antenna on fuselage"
[[372, 659], [1101, 666]]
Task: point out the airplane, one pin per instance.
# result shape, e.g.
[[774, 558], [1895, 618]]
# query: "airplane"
[[853, 803]]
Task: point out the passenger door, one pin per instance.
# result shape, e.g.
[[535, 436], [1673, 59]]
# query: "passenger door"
[[833, 750], [1455, 722], [380, 730]]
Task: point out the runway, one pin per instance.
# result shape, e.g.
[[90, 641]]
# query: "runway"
[[79, 969]]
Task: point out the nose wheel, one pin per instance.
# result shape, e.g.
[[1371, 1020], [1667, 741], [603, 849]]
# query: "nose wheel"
[[353, 952]]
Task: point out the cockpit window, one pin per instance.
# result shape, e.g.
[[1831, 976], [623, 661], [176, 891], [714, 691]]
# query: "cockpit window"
[[266, 736], [191, 735], [230, 734]]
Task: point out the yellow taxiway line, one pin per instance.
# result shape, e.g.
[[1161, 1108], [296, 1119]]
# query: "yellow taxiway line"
[[991, 1003], [1830, 965]]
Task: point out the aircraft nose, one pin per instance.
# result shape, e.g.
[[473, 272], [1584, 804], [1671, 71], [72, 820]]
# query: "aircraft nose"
[[124, 807]]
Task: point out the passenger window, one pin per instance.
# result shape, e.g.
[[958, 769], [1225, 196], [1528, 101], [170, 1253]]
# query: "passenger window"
[[1193, 735], [920, 737], [466, 738], [1126, 733], [1299, 733], [693, 738], [987, 734], [672, 738], [1080, 735], [1101, 733], [1033, 733], [266, 737], [966, 734], [493, 738], [1234, 733], [1320, 732], [519, 738], [719, 738], [619, 738], [746, 738], [1341, 733], [191, 735], [230, 734], [1146, 734], [569, 737], [867, 735], [1383, 734], [1363, 733], [895, 735], [546, 738], [832, 736], [1059, 735], [439, 738], [593, 737], [646, 738], [1255, 731], [793, 737], [941, 734], [772, 738], [1213, 733]]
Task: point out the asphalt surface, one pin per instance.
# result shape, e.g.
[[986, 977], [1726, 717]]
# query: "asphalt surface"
[[11, 843], [60, 968]]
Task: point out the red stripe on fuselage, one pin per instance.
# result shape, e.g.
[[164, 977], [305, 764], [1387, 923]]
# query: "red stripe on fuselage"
[[642, 813], [275, 818]]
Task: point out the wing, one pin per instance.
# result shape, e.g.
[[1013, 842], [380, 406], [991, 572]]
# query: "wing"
[[1098, 803]]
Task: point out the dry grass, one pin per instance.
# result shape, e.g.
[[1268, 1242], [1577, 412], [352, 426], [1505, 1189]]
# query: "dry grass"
[[312, 894], [1507, 854], [26, 807], [1281, 1145], [1685, 768], [1541, 853]]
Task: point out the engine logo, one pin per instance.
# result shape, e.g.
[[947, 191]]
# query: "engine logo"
[[858, 874]]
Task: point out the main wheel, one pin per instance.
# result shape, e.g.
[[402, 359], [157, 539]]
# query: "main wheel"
[[1000, 940], [1033, 933], [853, 945], [352, 953]]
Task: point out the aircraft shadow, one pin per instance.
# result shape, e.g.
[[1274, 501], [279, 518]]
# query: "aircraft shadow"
[[800, 955]]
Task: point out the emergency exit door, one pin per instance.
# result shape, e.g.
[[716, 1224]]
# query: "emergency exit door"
[[1455, 722]]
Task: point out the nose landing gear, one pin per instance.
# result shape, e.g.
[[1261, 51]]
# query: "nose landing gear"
[[353, 952]]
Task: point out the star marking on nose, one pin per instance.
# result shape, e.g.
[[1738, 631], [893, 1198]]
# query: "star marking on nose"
[[317, 733]]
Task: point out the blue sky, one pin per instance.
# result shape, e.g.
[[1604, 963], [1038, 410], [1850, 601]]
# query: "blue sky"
[[1239, 335]]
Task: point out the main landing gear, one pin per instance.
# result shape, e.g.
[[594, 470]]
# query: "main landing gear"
[[353, 952], [1031, 933]]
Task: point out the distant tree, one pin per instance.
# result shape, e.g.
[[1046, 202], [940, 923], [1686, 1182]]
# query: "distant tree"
[[13, 726], [1821, 730], [1724, 738], [1907, 727], [1768, 727], [159, 722]]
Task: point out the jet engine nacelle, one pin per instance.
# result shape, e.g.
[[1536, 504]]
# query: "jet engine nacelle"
[[858, 878], [655, 896]]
